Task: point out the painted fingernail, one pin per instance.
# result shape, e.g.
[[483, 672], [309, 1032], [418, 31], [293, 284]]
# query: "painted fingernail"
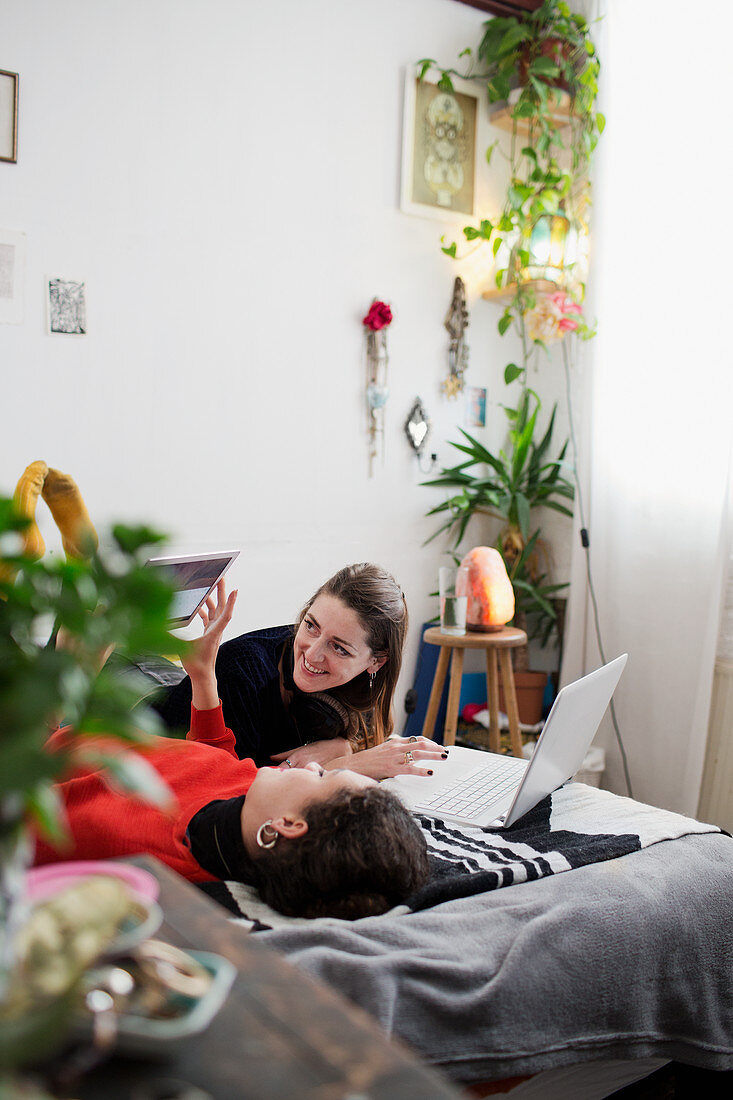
[[444, 755], [430, 773]]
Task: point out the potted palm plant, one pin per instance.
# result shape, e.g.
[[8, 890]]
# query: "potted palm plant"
[[509, 485]]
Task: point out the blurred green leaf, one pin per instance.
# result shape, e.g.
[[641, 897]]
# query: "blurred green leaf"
[[132, 539], [45, 806], [544, 67]]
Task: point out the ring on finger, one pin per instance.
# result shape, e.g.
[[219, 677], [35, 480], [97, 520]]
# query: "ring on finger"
[[289, 762], [409, 757], [413, 739]]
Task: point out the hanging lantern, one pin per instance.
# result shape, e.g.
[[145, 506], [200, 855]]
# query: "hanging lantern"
[[552, 248], [490, 593]]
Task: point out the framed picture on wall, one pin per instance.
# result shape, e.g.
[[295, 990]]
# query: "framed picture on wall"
[[439, 149], [8, 116], [67, 307], [12, 276]]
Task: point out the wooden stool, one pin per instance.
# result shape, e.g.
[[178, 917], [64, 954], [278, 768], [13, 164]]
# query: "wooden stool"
[[499, 642]]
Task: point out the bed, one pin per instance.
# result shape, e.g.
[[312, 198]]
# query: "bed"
[[595, 934]]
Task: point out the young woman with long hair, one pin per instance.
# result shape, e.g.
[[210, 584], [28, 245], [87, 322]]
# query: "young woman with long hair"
[[322, 690]]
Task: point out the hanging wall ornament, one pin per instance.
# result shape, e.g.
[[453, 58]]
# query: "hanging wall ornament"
[[375, 324], [457, 322], [417, 426], [417, 430]]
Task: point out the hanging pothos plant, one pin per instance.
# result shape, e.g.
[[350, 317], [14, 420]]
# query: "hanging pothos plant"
[[544, 66]]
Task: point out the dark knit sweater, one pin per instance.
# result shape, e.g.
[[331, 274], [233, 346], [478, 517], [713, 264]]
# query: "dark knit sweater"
[[248, 677]]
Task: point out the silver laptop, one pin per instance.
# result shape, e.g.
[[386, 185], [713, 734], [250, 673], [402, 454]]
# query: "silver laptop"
[[479, 788], [194, 577]]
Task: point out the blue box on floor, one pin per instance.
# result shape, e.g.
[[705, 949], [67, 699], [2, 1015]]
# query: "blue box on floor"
[[473, 690]]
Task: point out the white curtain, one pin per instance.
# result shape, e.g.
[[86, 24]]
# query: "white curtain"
[[653, 408]]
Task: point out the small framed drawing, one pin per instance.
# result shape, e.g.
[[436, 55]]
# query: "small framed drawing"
[[8, 116], [12, 277], [67, 307], [439, 149]]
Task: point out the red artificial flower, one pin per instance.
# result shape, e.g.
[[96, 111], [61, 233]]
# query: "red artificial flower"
[[379, 316]]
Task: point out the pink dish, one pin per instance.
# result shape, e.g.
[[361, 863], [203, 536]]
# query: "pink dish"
[[44, 882]]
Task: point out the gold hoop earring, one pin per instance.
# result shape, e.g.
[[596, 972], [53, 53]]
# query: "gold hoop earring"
[[266, 836]]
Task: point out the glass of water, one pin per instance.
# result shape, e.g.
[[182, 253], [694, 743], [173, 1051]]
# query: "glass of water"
[[453, 588]]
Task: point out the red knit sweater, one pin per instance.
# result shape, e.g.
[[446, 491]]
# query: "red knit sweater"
[[105, 824]]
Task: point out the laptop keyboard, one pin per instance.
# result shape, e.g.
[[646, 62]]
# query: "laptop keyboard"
[[469, 796]]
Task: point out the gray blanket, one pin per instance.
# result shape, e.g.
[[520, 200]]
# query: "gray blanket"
[[627, 958]]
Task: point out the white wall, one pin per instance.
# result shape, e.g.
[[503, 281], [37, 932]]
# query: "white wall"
[[224, 176]]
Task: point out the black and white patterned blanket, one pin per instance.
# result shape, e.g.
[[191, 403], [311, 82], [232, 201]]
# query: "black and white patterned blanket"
[[576, 826]]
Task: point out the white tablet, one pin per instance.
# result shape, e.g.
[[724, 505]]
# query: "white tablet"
[[194, 577]]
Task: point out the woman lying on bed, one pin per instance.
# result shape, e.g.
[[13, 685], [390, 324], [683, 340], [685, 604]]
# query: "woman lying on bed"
[[301, 694], [315, 843]]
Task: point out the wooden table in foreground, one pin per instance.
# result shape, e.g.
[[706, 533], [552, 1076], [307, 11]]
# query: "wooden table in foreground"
[[280, 1034]]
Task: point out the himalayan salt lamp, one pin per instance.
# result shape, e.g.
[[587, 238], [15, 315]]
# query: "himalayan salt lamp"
[[490, 593]]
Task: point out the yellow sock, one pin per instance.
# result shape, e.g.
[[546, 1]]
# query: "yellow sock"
[[26, 495], [62, 495]]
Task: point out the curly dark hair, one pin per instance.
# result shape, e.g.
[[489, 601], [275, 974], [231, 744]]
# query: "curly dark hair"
[[362, 855]]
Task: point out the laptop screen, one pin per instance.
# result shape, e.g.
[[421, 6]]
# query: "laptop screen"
[[193, 576]]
